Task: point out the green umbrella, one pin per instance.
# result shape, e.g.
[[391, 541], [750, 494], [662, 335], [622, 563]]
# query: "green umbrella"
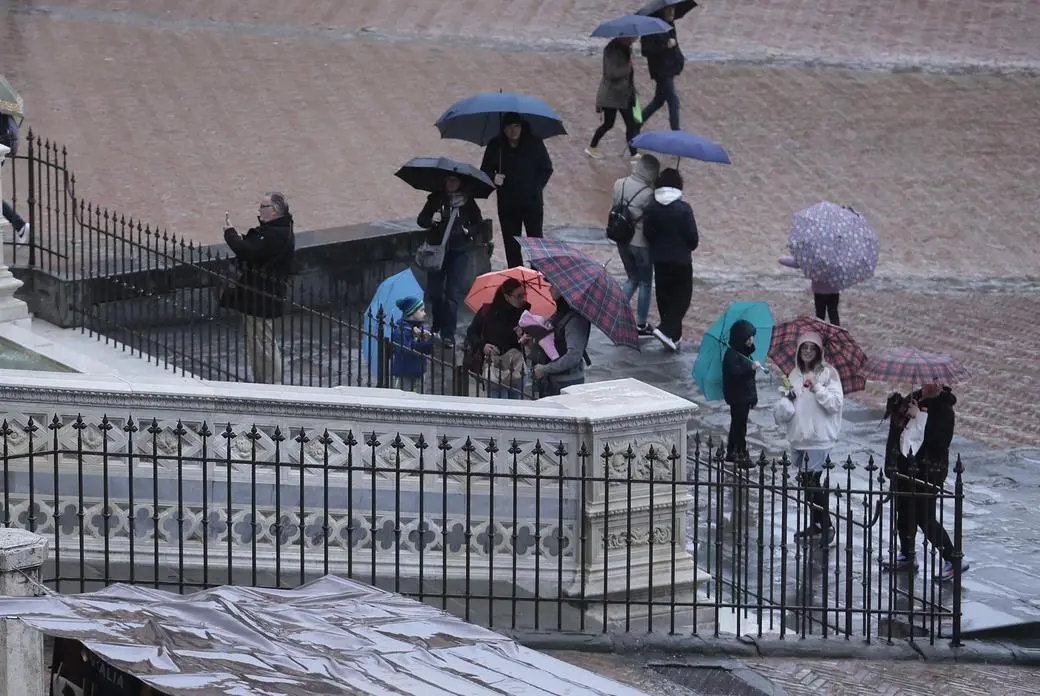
[[707, 369], [10, 101]]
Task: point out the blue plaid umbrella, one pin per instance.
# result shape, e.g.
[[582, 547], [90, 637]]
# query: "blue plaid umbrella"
[[707, 369]]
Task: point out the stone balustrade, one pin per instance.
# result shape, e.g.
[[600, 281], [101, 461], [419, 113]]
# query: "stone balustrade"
[[565, 500]]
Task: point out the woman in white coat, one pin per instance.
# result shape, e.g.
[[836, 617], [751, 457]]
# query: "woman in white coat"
[[811, 409]]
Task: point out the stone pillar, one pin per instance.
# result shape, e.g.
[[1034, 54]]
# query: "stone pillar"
[[11, 309], [22, 664], [635, 510]]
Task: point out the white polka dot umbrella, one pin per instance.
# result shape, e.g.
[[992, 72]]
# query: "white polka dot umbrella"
[[834, 245]]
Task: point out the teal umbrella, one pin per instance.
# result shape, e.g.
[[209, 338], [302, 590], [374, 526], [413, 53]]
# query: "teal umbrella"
[[394, 288], [707, 369]]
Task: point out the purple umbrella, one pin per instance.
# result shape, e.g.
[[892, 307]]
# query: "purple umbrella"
[[834, 245]]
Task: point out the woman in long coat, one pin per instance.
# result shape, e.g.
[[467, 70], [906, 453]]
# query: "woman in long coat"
[[617, 93]]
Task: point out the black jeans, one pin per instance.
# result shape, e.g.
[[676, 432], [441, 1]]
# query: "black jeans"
[[674, 284], [513, 221], [736, 440], [609, 119], [917, 507], [12, 216], [664, 93], [817, 498], [827, 304]]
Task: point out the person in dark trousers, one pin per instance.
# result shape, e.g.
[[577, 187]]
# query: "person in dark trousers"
[[825, 296], [571, 333], [9, 136], [264, 256], [738, 385], [519, 164], [665, 61], [450, 216], [671, 232], [617, 94], [925, 471]]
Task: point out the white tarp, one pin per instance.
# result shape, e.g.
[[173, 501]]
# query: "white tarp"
[[330, 636]]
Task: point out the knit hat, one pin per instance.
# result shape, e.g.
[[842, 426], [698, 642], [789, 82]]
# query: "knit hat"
[[409, 306], [512, 118]]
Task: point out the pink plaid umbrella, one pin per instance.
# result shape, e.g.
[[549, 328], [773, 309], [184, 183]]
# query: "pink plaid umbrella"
[[588, 288], [914, 367]]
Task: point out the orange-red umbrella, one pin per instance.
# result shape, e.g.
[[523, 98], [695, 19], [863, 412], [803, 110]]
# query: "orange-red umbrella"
[[538, 292]]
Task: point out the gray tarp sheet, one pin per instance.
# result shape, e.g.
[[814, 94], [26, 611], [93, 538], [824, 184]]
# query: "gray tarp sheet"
[[330, 636]]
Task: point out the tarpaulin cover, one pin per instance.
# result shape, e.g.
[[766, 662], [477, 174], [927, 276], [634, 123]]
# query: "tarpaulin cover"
[[330, 636]]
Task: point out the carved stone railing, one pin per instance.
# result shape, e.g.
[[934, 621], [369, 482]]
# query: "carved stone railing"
[[196, 483]]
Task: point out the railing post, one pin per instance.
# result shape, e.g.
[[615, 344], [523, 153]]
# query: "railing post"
[[22, 665], [958, 550], [11, 309]]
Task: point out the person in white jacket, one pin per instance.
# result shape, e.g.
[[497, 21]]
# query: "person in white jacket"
[[811, 409]]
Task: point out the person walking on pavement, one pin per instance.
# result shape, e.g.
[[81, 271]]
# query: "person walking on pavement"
[[671, 231], [264, 256], [825, 296], [635, 192], [9, 136], [519, 165], [617, 94], [451, 217], [926, 469], [665, 61], [811, 409], [738, 385]]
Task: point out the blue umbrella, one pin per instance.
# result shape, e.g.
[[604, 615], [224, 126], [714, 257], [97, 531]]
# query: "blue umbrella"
[[681, 144], [631, 25], [707, 369], [387, 294], [655, 7], [478, 119]]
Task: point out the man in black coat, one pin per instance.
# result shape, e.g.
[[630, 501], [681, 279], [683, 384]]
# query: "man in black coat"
[[264, 256], [665, 61], [519, 164], [738, 385]]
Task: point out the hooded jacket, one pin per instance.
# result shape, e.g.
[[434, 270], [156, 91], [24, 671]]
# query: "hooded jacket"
[[933, 458], [738, 369], [527, 169], [669, 227], [638, 189], [617, 88], [264, 256], [813, 418]]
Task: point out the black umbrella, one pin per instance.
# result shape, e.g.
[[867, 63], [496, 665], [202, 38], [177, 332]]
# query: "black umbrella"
[[429, 173], [655, 7]]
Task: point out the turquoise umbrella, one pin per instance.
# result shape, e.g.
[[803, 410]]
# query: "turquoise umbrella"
[[707, 369], [387, 294]]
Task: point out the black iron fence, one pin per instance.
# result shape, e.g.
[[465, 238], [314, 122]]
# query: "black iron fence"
[[158, 296], [518, 536]]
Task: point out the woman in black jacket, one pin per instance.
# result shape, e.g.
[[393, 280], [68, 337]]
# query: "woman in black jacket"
[[450, 217], [738, 385], [671, 233], [493, 331], [928, 472]]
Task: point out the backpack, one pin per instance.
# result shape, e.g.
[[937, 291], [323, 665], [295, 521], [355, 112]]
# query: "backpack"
[[621, 226]]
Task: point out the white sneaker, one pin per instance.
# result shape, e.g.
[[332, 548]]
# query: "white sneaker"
[[593, 152], [668, 343], [23, 234]]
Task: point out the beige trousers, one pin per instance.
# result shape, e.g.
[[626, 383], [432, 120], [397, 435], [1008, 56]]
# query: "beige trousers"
[[262, 353]]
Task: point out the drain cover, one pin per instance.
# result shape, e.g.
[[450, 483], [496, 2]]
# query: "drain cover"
[[717, 681]]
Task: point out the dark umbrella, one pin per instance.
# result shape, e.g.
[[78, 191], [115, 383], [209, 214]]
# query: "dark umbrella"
[[588, 288], [428, 174], [681, 144], [478, 119], [840, 350], [631, 25], [654, 7], [914, 367]]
